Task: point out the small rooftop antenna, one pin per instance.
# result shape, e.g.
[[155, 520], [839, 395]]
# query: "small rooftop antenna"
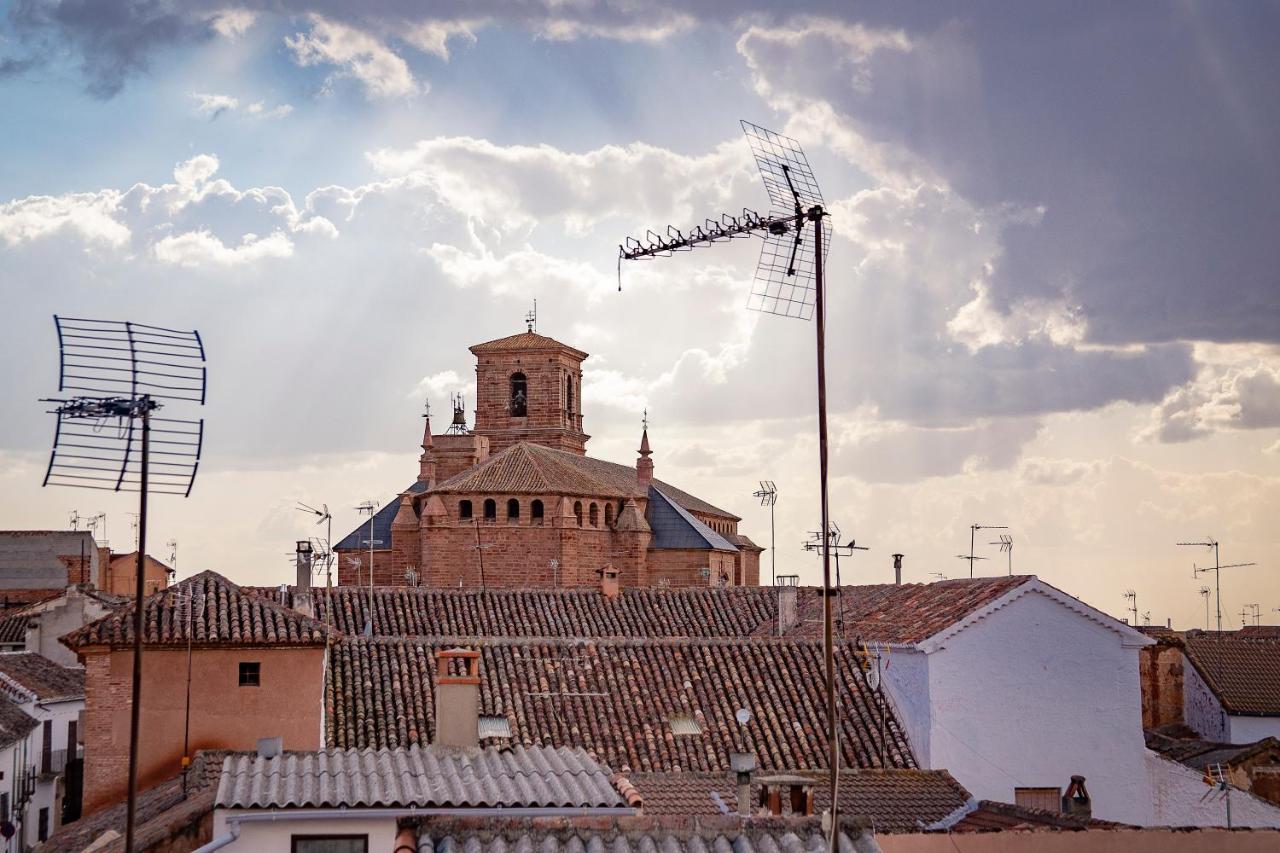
[[371, 508], [1006, 545], [1216, 568], [531, 318], [768, 495], [939, 575], [122, 373], [173, 557], [324, 554], [459, 424], [1146, 618], [1132, 598], [973, 530], [1205, 592]]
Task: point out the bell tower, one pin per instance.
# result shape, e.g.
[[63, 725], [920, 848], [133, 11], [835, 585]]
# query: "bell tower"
[[529, 388]]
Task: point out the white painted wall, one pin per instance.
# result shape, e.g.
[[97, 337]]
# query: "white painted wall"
[[275, 836], [1037, 692], [1183, 799], [1200, 707], [1250, 729], [906, 684], [46, 793]]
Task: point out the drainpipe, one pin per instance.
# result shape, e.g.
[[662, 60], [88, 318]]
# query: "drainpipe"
[[232, 833]]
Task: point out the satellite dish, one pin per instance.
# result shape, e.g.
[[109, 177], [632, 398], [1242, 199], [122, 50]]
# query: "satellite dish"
[[873, 678], [743, 716]]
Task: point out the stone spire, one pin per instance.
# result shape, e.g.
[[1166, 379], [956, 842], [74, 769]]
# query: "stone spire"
[[427, 461], [644, 465]]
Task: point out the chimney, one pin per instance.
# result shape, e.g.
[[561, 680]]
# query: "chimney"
[[742, 764], [644, 465], [304, 563], [270, 747], [1075, 801], [609, 582], [457, 698], [787, 592], [897, 569]]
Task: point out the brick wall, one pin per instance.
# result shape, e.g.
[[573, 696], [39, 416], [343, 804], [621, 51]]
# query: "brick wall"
[[1160, 671], [552, 418], [684, 567]]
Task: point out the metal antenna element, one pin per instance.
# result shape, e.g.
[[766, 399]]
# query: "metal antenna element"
[[973, 530], [1216, 568], [788, 282], [531, 318], [120, 374], [768, 495], [370, 507], [324, 555], [1205, 592], [1006, 545], [1132, 598]]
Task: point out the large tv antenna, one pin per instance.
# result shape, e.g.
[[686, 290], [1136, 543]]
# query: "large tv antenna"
[[788, 282], [1006, 545], [768, 495], [973, 531], [1216, 568], [120, 374]]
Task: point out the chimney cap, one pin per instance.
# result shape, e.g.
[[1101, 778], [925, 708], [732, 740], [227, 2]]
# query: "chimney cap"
[[742, 762]]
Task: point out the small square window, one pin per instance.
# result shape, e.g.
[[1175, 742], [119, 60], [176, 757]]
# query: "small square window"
[[330, 844], [250, 674], [1047, 799]]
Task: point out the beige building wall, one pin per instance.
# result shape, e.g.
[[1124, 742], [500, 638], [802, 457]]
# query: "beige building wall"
[[1091, 841]]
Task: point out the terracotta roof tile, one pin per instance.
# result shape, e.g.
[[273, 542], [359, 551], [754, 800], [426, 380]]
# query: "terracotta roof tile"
[[1243, 671], [888, 800], [380, 693], [224, 615], [994, 816], [46, 680], [523, 341], [15, 723]]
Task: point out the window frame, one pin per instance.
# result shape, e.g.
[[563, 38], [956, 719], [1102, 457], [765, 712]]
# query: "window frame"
[[296, 839], [518, 381], [246, 677], [490, 509], [465, 510]]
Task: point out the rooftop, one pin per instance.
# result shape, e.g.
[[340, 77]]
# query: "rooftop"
[[419, 777], [14, 722], [1243, 671], [524, 341], [1180, 743], [41, 678]]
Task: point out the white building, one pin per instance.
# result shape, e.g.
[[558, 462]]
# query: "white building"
[[1231, 687], [38, 627], [18, 746], [1014, 687], [52, 696]]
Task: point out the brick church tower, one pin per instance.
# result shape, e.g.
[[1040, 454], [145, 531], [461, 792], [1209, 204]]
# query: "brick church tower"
[[529, 388]]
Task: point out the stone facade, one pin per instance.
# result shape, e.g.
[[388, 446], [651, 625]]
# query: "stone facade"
[[518, 503]]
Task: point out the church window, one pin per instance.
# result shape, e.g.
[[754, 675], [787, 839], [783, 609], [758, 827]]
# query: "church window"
[[464, 509], [519, 405], [568, 394], [577, 511], [490, 508], [513, 509], [608, 515], [594, 516], [535, 512]]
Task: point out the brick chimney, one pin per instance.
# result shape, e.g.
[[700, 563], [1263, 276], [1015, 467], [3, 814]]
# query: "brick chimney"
[[457, 698], [644, 465], [1075, 801], [609, 582], [787, 602]]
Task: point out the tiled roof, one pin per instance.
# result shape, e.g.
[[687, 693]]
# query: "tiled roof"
[[14, 722], [629, 835], [565, 613], [13, 625], [992, 816], [163, 811], [889, 800], [224, 615], [899, 613], [675, 527], [1199, 754], [44, 679], [380, 693], [1244, 672], [358, 539], [429, 777], [522, 341]]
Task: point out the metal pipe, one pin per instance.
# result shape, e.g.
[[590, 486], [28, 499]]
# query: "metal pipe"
[[139, 590]]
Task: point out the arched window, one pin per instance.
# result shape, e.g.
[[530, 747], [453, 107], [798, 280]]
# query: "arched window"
[[568, 394], [513, 510], [535, 512], [608, 515], [594, 516], [464, 509], [519, 405], [490, 508], [577, 511]]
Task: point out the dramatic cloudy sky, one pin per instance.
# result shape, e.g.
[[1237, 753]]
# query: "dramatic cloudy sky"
[[1054, 299]]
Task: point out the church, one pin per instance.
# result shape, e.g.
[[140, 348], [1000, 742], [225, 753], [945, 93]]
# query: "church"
[[517, 502]]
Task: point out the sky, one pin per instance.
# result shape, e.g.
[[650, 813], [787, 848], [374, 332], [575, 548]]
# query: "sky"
[[1053, 297]]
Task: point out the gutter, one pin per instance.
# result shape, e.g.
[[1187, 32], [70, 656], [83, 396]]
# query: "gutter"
[[346, 813]]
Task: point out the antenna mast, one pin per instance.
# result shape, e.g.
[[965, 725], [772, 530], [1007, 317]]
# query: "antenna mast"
[[788, 282], [973, 530], [1132, 598], [1216, 568], [768, 495], [1006, 544], [124, 372], [370, 507]]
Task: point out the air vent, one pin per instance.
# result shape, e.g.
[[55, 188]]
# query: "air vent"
[[494, 727], [683, 724]]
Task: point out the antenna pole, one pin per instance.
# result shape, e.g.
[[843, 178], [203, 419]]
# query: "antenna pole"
[[139, 590], [1217, 582], [773, 548]]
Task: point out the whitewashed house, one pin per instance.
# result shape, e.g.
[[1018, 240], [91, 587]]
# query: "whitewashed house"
[[18, 746], [1014, 686]]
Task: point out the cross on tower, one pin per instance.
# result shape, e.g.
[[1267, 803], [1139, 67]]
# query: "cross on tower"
[[645, 420], [531, 318]]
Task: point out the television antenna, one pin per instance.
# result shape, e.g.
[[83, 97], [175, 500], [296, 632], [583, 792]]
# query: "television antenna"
[[1216, 778], [788, 282], [1205, 592], [1132, 598], [939, 575], [133, 525], [121, 373], [1216, 568], [1146, 618], [172, 544], [768, 495], [1006, 545], [371, 509], [973, 530]]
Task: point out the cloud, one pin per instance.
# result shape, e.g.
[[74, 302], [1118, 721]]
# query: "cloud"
[[232, 23], [433, 36], [201, 248], [1236, 387], [380, 70], [660, 25], [91, 216], [214, 105]]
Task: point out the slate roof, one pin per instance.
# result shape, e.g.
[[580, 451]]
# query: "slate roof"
[[418, 777], [628, 835], [675, 527], [523, 341], [1243, 672], [381, 524], [224, 615], [42, 678], [14, 722], [888, 800], [563, 613], [379, 693]]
